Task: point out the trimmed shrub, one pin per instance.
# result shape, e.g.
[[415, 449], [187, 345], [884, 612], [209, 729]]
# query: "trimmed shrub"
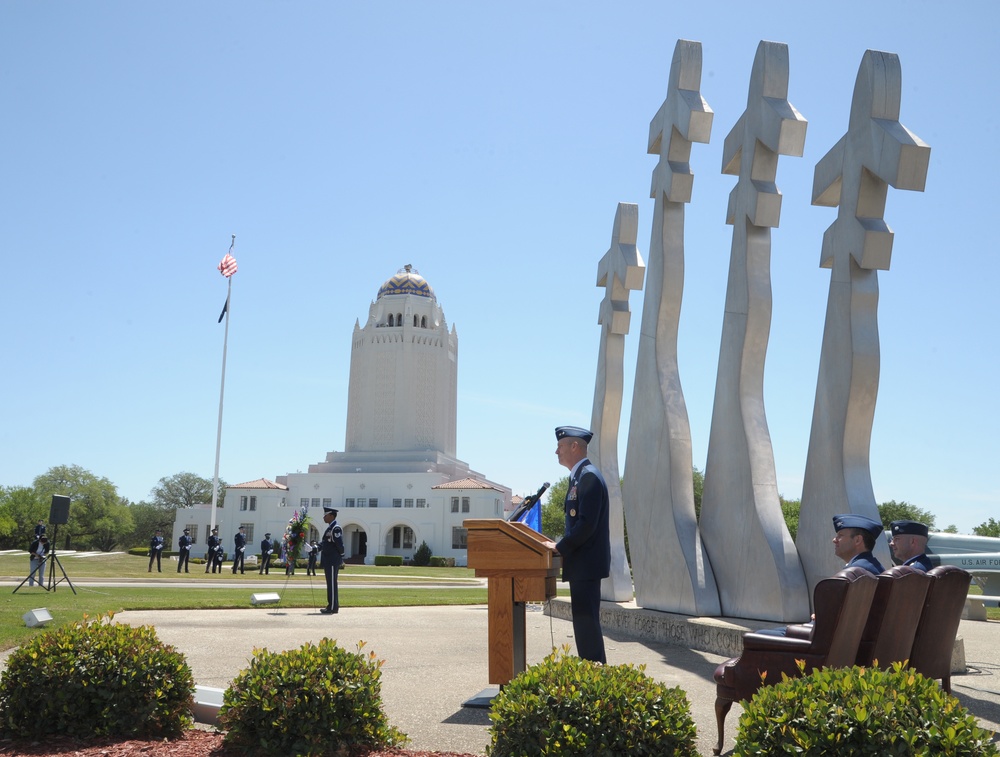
[[96, 678], [568, 706], [442, 562], [422, 557], [389, 560], [860, 711], [314, 700]]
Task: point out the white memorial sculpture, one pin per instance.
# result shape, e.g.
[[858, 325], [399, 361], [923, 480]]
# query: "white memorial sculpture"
[[670, 569], [876, 150], [620, 270], [756, 566]]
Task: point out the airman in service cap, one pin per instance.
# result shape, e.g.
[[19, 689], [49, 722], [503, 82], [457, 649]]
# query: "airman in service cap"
[[908, 527], [850, 520], [562, 432]]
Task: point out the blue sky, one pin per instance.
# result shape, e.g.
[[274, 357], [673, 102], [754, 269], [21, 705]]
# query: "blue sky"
[[488, 145]]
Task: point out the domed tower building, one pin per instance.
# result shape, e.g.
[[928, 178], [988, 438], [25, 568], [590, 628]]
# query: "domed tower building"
[[404, 372], [398, 482]]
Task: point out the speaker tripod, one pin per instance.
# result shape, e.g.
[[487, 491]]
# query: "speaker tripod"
[[53, 562]]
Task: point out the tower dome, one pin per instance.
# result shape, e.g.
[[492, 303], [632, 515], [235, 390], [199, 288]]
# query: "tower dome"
[[406, 281]]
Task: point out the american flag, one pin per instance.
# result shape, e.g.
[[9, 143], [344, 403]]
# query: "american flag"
[[228, 265]]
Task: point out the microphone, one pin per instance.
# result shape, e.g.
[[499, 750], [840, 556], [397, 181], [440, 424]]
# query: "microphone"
[[528, 503], [537, 495]]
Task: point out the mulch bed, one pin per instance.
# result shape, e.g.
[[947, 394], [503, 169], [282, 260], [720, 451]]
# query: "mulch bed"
[[194, 743]]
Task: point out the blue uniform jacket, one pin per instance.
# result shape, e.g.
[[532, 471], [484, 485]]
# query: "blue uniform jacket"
[[867, 561], [920, 562], [586, 543]]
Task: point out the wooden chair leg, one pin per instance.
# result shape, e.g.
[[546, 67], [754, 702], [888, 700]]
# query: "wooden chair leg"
[[722, 707], [946, 683]]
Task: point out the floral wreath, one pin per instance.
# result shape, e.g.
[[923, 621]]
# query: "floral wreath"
[[295, 533]]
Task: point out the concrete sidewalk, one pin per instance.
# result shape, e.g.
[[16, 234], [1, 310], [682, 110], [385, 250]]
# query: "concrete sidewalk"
[[436, 659]]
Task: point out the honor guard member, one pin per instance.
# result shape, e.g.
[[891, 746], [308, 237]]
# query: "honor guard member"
[[40, 529], [184, 550], [855, 540], [313, 555], [266, 548], [909, 543], [213, 550], [333, 559], [155, 550], [586, 543], [239, 547]]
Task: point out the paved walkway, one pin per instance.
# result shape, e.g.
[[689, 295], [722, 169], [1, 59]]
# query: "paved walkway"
[[436, 658]]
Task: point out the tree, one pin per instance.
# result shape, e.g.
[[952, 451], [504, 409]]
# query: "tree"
[[20, 510], [97, 517], [790, 512], [699, 487], [989, 528], [146, 518], [893, 510], [184, 490], [553, 517]]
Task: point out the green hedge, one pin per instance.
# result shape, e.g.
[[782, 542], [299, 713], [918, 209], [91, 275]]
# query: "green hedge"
[[568, 706], [394, 560], [315, 700], [860, 712], [96, 678]]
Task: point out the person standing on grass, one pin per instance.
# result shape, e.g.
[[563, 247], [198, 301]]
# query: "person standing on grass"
[[333, 559], [155, 551]]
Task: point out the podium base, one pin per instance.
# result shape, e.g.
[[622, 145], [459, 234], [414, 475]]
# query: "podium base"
[[484, 699]]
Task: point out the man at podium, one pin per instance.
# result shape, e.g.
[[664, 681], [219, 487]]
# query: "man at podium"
[[586, 543]]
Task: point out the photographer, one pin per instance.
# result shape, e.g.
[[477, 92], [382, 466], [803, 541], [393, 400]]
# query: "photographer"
[[36, 553]]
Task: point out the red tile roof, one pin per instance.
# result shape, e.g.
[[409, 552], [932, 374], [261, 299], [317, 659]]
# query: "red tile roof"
[[260, 483], [466, 483]]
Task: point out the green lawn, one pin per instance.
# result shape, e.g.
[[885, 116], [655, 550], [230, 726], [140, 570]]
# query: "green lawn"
[[430, 586]]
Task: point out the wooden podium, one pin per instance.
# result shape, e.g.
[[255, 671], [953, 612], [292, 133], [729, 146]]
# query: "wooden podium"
[[520, 568]]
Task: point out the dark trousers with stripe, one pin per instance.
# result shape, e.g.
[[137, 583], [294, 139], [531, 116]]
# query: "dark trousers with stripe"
[[585, 600]]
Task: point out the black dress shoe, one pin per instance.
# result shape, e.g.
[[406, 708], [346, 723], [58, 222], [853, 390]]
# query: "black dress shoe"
[[327, 611]]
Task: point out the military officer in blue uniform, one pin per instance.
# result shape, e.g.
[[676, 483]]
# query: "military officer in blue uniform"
[[184, 550], [909, 544], [155, 551], [213, 548], [586, 543], [332, 545], [239, 547], [855, 540], [266, 548]]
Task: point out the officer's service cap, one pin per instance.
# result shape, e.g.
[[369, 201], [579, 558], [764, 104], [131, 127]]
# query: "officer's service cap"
[[563, 432], [333, 510], [850, 520], [267, 535], [187, 530], [908, 527]]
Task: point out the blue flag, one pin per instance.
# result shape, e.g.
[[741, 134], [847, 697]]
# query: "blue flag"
[[533, 518]]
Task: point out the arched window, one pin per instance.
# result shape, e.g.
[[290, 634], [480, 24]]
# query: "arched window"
[[415, 321], [390, 319], [399, 319], [423, 322]]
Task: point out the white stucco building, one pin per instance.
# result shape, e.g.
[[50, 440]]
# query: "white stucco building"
[[398, 482]]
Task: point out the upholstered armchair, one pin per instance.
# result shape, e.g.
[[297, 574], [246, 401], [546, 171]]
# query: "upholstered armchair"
[[938, 627], [893, 619], [841, 603]]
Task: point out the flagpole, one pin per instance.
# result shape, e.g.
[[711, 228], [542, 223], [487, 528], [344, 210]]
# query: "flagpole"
[[222, 394]]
